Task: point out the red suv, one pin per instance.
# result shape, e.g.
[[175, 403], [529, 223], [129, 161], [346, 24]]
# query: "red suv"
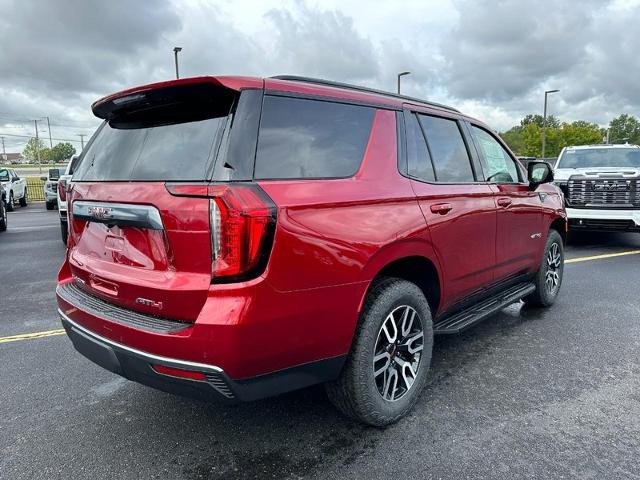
[[233, 238]]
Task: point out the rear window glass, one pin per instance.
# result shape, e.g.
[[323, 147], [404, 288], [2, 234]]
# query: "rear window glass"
[[180, 151], [301, 138]]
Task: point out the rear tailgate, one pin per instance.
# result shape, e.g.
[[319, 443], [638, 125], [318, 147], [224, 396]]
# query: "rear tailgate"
[[132, 242], [139, 247]]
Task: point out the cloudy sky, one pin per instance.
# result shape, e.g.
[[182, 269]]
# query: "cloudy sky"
[[490, 58]]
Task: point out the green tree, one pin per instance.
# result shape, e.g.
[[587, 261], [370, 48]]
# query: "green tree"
[[580, 133], [552, 122], [624, 128], [514, 138], [33, 149], [62, 151]]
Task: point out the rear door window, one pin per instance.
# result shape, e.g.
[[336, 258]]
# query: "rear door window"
[[302, 138], [447, 148]]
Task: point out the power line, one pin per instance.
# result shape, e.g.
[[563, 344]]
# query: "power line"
[[31, 136]]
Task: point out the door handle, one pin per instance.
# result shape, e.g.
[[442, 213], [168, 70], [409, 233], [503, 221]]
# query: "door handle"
[[441, 208], [504, 202]]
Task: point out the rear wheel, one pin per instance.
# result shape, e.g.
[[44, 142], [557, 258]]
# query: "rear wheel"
[[23, 200], [387, 367], [51, 205], [64, 230], [3, 215], [548, 279], [10, 203]]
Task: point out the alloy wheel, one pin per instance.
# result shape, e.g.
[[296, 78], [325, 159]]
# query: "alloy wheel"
[[397, 353], [554, 265]]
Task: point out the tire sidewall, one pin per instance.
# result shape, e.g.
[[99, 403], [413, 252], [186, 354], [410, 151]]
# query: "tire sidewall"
[[3, 215], [403, 293], [546, 297]]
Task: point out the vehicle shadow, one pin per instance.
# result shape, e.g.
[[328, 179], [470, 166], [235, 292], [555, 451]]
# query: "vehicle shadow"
[[300, 433]]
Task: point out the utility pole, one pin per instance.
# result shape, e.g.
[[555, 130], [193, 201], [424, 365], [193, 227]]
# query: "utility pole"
[[175, 53], [49, 128], [81, 135], [35, 122], [4, 153], [544, 121]]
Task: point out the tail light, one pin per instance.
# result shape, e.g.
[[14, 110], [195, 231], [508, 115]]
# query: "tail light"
[[243, 221], [62, 190]]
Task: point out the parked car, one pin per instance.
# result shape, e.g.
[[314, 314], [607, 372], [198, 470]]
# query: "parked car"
[[601, 185], [51, 187], [14, 188], [3, 208], [232, 238], [61, 196]]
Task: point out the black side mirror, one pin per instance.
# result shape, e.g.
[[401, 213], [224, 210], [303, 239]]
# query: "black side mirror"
[[539, 173]]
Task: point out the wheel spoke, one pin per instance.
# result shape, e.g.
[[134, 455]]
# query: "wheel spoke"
[[392, 335], [381, 356], [390, 384], [410, 343], [407, 321]]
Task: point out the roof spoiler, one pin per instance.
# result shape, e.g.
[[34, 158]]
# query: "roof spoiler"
[[195, 91]]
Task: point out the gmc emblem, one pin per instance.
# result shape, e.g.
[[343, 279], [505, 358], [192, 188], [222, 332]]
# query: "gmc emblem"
[[100, 212]]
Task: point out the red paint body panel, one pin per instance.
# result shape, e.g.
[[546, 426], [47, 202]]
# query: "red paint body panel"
[[332, 237]]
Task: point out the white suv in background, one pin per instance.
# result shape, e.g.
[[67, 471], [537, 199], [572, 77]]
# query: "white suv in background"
[[601, 185], [62, 196], [12, 188]]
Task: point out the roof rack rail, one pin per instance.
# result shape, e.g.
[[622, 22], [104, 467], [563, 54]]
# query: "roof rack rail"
[[329, 83]]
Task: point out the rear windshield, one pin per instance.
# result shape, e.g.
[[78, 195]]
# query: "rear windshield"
[[173, 140], [600, 157]]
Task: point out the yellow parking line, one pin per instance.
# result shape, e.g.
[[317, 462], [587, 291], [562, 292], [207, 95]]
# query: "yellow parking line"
[[29, 336], [601, 257], [51, 333]]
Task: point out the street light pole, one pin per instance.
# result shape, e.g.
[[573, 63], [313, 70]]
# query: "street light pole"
[[175, 54], [401, 74], [544, 121]]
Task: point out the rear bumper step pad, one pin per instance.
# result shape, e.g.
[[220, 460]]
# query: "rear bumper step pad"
[[86, 302]]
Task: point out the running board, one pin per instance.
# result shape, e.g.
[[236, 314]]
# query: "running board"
[[478, 312]]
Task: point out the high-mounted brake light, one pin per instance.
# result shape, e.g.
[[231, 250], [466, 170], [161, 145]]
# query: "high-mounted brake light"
[[243, 220]]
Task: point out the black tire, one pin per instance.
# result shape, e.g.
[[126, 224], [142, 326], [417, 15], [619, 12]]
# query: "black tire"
[[23, 200], [3, 215], [544, 295], [64, 230], [51, 205], [356, 392], [10, 203]]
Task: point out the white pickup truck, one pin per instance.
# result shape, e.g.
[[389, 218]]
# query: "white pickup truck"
[[13, 188], [601, 185]]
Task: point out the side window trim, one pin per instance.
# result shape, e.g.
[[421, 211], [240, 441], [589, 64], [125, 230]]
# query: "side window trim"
[[516, 164], [406, 113]]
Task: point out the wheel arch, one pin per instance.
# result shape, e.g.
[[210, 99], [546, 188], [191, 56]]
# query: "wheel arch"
[[409, 261], [560, 225]]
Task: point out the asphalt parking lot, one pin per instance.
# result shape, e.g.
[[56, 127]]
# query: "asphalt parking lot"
[[528, 393]]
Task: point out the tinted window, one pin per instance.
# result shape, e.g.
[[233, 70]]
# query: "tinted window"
[[448, 151], [418, 160], [308, 138], [498, 166], [179, 151]]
